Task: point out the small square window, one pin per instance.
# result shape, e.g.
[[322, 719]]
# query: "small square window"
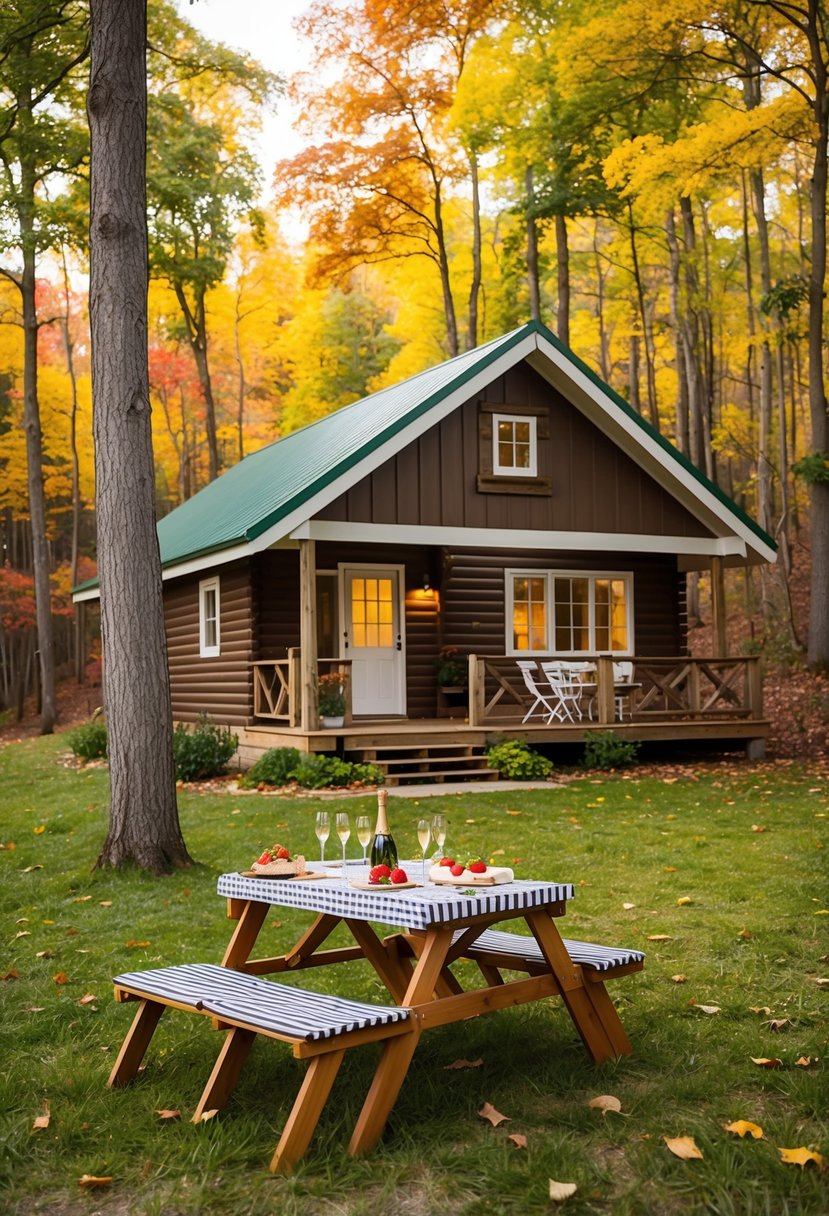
[[209, 640], [514, 445]]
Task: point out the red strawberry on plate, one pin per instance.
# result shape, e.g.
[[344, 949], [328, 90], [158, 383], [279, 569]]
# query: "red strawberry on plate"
[[457, 870], [264, 860], [447, 861], [397, 876], [376, 873], [282, 854], [477, 867]]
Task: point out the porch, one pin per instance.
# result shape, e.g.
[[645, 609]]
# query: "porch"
[[667, 699]]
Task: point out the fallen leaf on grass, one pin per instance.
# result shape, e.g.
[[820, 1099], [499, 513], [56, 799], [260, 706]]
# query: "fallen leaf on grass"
[[39, 831], [745, 935], [44, 954], [659, 937], [60, 978], [69, 932], [93, 1180], [517, 1139], [683, 1147], [168, 1114], [705, 1008], [801, 1157], [669, 869], [559, 1191], [23, 933], [757, 827], [208, 1114], [29, 869], [683, 900], [10, 845], [766, 1062], [805, 1061], [628, 907], [515, 812], [744, 1127], [822, 982], [104, 903], [10, 975], [462, 1064], [759, 1009], [82, 899], [606, 1102], [42, 1121], [138, 944], [87, 999], [779, 1023], [679, 979], [494, 1116]]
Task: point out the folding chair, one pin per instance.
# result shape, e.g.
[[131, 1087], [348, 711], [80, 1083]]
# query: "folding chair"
[[566, 692], [541, 693], [622, 674]]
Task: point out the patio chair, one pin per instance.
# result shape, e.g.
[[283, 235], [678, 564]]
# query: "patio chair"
[[541, 692], [566, 692], [622, 674]]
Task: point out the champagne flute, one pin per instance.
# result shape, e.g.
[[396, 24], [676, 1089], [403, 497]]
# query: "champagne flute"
[[364, 833], [424, 835], [322, 829], [343, 831], [439, 830]]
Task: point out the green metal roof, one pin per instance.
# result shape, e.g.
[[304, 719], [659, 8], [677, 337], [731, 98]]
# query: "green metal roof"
[[274, 482], [267, 486]]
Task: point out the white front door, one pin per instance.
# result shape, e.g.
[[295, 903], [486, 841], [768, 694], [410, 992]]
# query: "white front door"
[[372, 618]]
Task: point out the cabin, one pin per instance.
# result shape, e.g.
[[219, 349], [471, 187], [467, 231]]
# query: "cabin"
[[412, 549]]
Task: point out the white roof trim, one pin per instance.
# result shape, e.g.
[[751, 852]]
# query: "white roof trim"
[[507, 538], [668, 473]]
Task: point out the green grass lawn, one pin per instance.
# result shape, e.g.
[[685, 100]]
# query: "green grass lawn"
[[754, 934]]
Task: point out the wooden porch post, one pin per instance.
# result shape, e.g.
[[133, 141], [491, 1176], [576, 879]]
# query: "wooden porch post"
[[718, 608], [476, 690], [309, 713], [605, 690]]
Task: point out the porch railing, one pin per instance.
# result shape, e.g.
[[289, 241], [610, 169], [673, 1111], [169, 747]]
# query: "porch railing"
[[277, 687], [686, 688]]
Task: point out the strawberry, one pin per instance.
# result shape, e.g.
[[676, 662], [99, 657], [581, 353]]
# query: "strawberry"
[[265, 859], [477, 867], [447, 861], [378, 872], [282, 853], [398, 876], [457, 870]]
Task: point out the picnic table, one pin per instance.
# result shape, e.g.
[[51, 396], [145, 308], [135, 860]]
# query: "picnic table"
[[436, 925]]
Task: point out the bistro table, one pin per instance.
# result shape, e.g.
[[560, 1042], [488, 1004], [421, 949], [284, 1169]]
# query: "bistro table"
[[443, 922]]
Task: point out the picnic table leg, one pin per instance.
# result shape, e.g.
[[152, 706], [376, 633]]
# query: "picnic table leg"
[[412, 944], [385, 962], [245, 934], [135, 1045], [306, 1111], [398, 1052], [226, 1070], [597, 1022]]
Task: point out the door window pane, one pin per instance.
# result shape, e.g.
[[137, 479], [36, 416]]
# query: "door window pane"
[[372, 612]]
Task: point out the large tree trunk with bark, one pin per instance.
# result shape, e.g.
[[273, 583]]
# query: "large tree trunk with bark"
[[563, 280], [475, 286], [144, 825], [532, 247]]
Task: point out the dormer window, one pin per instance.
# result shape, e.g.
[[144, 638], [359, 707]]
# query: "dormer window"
[[514, 445]]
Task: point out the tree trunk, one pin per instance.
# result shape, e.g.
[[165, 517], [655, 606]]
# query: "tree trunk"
[[196, 323], [79, 655], [604, 352], [681, 421], [143, 817], [445, 277], [31, 424], [563, 280], [241, 390], [647, 336], [475, 287], [818, 649], [532, 247]]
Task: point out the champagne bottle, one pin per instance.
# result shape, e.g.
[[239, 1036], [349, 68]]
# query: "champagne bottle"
[[383, 849]]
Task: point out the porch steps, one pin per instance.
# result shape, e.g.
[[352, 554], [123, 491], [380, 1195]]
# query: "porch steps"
[[437, 762]]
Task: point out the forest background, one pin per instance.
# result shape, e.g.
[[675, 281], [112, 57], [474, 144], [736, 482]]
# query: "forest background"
[[648, 183]]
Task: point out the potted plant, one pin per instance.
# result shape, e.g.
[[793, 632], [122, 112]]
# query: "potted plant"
[[331, 692], [451, 669]]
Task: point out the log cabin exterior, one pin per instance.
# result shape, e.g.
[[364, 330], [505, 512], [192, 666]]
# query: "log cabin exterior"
[[507, 504]]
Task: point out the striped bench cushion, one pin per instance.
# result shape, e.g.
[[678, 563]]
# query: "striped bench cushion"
[[598, 958], [263, 1004]]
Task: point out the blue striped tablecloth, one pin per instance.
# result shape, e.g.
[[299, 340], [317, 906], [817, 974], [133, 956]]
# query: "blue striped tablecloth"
[[412, 907]]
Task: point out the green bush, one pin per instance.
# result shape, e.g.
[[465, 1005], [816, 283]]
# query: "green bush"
[[605, 749], [281, 765], [277, 766], [202, 752], [89, 742], [517, 761]]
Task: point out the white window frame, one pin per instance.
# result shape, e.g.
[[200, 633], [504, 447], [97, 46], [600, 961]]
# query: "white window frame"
[[205, 587], [511, 574], [500, 470]]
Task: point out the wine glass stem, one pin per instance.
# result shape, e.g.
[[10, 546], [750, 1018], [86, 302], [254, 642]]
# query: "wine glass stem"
[[345, 879]]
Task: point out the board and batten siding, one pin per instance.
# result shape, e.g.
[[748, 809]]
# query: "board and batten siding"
[[594, 486], [473, 608], [220, 686]]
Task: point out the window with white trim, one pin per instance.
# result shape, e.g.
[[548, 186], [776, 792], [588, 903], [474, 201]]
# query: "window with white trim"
[[569, 612], [209, 640], [514, 445]]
